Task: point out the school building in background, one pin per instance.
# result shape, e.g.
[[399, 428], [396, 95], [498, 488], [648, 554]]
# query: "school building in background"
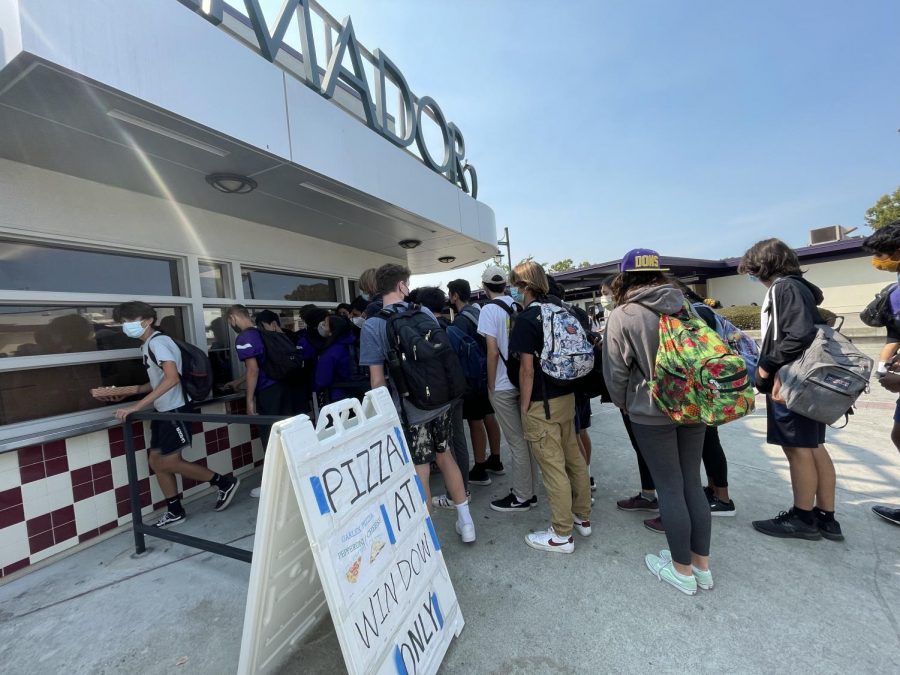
[[187, 154], [841, 268]]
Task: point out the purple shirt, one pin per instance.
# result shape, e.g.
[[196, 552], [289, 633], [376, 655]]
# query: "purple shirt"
[[250, 344]]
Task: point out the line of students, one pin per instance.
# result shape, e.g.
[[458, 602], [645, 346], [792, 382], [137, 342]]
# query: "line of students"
[[541, 420]]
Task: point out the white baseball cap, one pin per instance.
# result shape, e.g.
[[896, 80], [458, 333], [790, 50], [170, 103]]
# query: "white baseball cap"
[[494, 275]]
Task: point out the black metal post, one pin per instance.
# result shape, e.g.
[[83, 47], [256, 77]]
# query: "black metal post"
[[134, 488]]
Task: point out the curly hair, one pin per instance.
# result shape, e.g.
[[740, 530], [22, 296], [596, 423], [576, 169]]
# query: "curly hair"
[[885, 241]]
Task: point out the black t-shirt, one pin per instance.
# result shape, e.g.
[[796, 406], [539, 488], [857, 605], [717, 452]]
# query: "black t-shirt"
[[528, 338]]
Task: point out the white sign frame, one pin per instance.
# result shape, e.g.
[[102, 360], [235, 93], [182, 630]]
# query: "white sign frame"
[[378, 565]]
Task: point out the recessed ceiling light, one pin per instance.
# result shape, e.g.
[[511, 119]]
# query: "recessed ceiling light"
[[410, 243], [231, 183], [447, 259]]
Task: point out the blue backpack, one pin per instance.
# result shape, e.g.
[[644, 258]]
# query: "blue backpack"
[[471, 357], [739, 342]]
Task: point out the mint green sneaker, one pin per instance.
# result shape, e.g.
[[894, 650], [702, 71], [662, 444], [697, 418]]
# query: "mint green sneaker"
[[704, 578], [663, 570]]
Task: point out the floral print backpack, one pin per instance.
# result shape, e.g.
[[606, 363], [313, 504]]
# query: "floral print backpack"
[[698, 378]]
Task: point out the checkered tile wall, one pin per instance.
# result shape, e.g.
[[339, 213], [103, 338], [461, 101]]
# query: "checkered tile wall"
[[59, 494]]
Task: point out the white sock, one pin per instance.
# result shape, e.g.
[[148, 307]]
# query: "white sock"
[[462, 513], [521, 501], [649, 496], [697, 569]]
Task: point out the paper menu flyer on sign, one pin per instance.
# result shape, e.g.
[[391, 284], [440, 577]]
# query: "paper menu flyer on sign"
[[376, 550]]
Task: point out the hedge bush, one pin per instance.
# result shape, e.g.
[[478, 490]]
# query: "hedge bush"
[[746, 317]]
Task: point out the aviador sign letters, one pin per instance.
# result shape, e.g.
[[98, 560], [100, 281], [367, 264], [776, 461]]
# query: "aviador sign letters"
[[452, 164]]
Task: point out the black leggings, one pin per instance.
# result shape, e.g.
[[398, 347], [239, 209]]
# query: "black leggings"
[[714, 458], [673, 455], [647, 483]]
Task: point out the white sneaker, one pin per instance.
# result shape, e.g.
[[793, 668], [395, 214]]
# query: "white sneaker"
[[466, 532], [254, 493], [444, 501], [548, 540], [583, 526]]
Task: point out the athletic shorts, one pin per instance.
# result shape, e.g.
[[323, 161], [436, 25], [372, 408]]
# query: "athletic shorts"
[[169, 437], [425, 440], [477, 406], [791, 430], [582, 413], [897, 412]]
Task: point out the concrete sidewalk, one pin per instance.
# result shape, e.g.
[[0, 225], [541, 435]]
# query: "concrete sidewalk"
[[778, 606]]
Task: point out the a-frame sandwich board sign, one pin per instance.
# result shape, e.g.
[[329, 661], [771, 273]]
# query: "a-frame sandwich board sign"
[[343, 528]]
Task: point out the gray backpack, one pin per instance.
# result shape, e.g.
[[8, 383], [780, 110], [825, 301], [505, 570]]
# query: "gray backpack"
[[825, 382]]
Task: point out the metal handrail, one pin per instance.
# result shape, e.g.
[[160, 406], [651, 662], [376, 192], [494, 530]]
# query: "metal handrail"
[[141, 529]]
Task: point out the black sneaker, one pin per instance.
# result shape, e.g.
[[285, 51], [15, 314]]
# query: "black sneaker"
[[788, 525], [719, 508], [227, 492], [533, 500], [889, 513], [510, 503], [593, 485], [494, 465], [479, 475], [830, 529], [168, 519]]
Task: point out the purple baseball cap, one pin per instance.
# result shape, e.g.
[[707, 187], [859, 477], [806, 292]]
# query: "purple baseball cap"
[[641, 260]]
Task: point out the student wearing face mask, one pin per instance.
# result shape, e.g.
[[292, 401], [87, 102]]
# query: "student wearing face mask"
[[162, 359], [885, 245]]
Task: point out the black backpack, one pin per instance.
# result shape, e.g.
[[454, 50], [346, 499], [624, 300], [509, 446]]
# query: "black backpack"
[[196, 369], [422, 364], [282, 358], [512, 363], [878, 312]]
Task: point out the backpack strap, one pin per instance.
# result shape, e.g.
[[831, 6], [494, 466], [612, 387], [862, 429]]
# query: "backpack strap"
[[150, 351], [506, 308], [468, 315]]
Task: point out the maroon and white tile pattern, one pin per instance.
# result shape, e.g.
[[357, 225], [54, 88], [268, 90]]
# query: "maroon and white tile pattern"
[[59, 494]]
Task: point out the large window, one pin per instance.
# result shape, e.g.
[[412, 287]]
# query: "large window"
[[41, 329], [218, 345], [213, 279], [32, 267], [263, 285], [46, 392]]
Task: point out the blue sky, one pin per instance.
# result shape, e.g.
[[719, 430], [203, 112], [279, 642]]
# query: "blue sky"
[[692, 127]]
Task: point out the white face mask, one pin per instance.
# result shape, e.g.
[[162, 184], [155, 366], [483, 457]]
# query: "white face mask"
[[358, 321], [607, 303], [323, 329]]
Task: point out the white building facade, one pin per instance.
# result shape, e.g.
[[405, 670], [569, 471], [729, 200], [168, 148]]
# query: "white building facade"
[[123, 122]]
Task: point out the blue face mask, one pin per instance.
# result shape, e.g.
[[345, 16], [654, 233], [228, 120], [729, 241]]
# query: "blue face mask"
[[133, 329], [517, 295], [753, 278]]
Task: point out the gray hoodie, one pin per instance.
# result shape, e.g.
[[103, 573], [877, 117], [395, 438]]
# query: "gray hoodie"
[[629, 351]]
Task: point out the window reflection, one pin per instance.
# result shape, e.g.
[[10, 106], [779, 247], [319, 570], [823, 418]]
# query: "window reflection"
[[30, 267], [34, 331], [260, 285], [46, 392]]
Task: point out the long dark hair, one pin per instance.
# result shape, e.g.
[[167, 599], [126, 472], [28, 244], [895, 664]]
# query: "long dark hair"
[[339, 326], [626, 282]]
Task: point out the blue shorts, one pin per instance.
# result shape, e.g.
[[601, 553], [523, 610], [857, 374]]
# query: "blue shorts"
[[582, 413], [897, 412]]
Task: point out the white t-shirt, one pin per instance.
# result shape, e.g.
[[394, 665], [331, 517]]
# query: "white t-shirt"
[[495, 322], [164, 349]]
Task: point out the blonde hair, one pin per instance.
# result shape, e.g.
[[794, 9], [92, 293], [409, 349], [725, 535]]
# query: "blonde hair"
[[367, 283], [532, 275]]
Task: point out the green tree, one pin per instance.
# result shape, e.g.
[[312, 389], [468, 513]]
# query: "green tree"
[[561, 266], [886, 210], [584, 263]]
